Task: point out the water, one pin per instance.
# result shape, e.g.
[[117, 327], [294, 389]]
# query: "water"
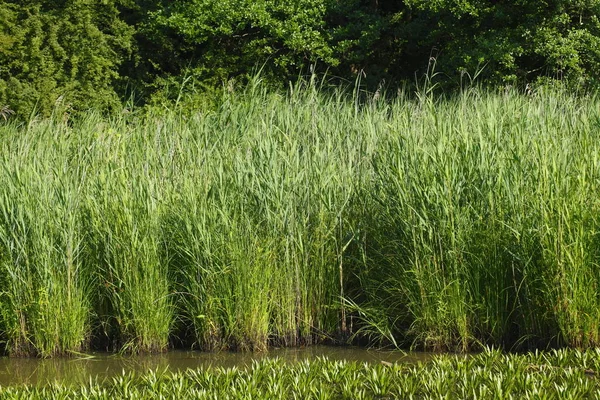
[[32, 371]]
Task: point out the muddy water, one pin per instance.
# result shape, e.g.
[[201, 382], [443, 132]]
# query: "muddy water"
[[14, 371]]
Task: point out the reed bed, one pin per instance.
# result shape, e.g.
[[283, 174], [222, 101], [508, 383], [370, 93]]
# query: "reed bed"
[[287, 219], [491, 374]]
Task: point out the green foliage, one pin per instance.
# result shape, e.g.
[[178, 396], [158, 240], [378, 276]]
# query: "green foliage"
[[216, 40], [77, 54], [60, 56], [511, 42], [515, 41]]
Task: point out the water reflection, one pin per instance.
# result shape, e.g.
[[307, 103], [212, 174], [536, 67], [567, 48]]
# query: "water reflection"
[[15, 371]]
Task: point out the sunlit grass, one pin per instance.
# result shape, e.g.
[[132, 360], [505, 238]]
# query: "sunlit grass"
[[287, 219]]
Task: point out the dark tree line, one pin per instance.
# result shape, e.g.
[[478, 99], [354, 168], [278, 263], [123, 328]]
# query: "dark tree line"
[[93, 53]]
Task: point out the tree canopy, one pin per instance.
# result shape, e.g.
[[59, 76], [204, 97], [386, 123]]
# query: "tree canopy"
[[90, 53]]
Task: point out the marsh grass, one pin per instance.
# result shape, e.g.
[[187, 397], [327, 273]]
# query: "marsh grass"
[[45, 292], [491, 201], [286, 219], [125, 208]]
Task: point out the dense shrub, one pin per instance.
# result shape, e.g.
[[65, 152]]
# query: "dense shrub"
[[63, 53], [83, 53], [516, 41]]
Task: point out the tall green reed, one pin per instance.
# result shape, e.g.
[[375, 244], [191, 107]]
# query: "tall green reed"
[[293, 218], [490, 202], [256, 231], [45, 298], [125, 205]]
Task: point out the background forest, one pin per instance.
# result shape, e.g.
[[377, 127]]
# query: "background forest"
[[81, 54]]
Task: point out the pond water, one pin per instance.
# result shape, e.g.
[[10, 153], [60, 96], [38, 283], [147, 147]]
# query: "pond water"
[[32, 371]]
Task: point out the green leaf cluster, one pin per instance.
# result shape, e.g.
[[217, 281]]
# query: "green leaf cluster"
[[516, 41], [92, 53], [61, 54], [219, 39]]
